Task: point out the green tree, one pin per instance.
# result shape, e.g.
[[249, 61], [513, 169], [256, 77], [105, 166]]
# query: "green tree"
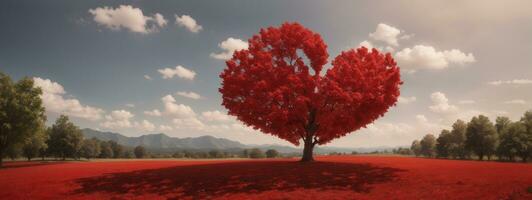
[[443, 144], [501, 123], [245, 153], [128, 154], [21, 112], [272, 153], [458, 136], [35, 144], [105, 149], [117, 149], [416, 147], [526, 153], [256, 153], [90, 148], [65, 138], [43, 152], [216, 154], [428, 145], [14, 151], [178, 154], [481, 137], [511, 141], [140, 152]]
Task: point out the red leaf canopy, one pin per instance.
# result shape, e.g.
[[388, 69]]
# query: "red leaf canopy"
[[276, 86]]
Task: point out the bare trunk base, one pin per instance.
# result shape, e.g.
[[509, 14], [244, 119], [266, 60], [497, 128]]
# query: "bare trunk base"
[[308, 152]]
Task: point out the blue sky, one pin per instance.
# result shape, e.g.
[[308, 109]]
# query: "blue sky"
[[458, 59]]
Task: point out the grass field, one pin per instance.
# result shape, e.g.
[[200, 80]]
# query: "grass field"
[[331, 177]]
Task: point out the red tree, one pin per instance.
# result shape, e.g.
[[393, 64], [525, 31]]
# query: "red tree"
[[271, 87]]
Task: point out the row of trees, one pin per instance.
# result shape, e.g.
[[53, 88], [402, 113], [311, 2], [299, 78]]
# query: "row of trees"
[[65, 140], [246, 153], [480, 137]]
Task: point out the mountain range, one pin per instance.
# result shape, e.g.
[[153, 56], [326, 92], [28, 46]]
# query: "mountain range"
[[163, 142]]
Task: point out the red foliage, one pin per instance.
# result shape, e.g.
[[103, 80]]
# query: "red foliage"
[[272, 87], [332, 177]]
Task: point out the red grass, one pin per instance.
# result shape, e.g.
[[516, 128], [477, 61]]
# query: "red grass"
[[360, 177]]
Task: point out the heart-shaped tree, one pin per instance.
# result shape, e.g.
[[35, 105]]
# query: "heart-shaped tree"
[[276, 86]]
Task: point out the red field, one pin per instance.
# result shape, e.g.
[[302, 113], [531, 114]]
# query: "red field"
[[360, 177]]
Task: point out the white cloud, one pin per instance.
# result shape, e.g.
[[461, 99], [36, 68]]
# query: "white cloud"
[[216, 115], [511, 82], [366, 44], [165, 128], [159, 19], [229, 46], [441, 104], [118, 119], [191, 95], [130, 105], [179, 71], [127, 17], [466, 102], [427, 57], [421, 119], [188, 123], [386, 34], [155, 113], [145, 125], [122, 119], [458, 57], [147, 77], [177, 110], [516, 101], [188, 22], [406, 100], [54, 101]]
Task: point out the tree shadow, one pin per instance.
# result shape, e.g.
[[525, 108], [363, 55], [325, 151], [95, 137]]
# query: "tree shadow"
[[20, 164], [208, 180]]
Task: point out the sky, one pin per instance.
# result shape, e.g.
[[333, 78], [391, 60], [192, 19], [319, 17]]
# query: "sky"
[[140, 67]]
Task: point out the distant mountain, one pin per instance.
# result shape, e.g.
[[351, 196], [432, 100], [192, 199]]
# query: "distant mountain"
[[164, 143]]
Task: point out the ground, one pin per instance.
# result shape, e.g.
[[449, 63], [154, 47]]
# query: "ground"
[[331, 177]]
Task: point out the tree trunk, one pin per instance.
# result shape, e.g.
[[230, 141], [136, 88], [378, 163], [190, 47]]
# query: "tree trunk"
[[308, 151], [1, 160], [480, 156]]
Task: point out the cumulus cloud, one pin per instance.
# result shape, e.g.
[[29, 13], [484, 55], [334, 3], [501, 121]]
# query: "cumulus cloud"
[[118, 119], [191, 95], [188, 22], [216, 115], [386, 33], [54, 100], [516, 101], [188, 123], [406, 100], [144, 125], [176, 110], [122, 119], [511, 82], [155, 113], [130, 105], [229, 46], [127, 17], [147, 77], [178, 71], [427, 57], [159, 19], [440, 104], [165, 128]]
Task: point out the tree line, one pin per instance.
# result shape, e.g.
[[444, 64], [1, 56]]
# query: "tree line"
[[505, 139], [23, 132]]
